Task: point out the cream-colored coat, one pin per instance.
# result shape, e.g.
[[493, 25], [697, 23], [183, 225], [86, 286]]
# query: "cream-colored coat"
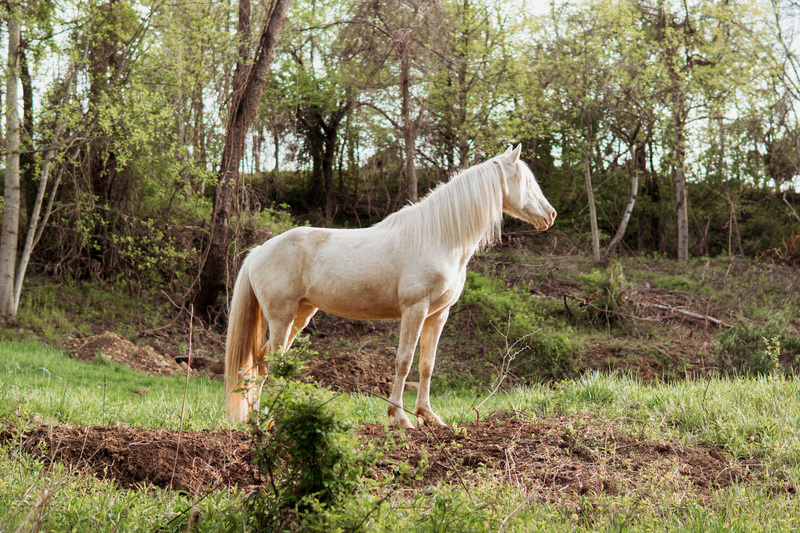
[[411, 266]]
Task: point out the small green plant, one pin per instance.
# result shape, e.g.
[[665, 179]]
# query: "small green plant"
[[758, 349], [773, 348], [604, 295]]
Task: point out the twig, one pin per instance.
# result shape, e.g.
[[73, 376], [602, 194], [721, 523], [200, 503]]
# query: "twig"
[[185, 390], [791, 208], [508, 358]]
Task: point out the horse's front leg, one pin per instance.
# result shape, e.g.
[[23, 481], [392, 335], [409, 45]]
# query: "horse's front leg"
[[431, 331], [410, 327]]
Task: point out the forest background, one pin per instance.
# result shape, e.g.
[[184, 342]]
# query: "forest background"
[[651, 125]]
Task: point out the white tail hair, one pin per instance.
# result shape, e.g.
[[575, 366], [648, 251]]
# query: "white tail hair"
[[243, 347]]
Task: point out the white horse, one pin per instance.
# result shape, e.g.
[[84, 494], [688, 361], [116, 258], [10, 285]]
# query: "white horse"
[[411, 266]]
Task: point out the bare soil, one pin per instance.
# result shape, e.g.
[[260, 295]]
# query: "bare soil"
[[560, 458]]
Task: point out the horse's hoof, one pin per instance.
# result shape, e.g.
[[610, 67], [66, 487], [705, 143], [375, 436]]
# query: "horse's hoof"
[[404, 423], [431, 421]]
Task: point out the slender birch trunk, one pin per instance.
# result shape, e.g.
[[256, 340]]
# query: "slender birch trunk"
[[9, 234], [587, 174]]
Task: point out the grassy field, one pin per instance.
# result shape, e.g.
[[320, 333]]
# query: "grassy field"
[[755, 419]]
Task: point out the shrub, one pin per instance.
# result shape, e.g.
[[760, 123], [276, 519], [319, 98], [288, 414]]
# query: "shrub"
[[511, 320], [604, 295], [309, 452], [758, 349]]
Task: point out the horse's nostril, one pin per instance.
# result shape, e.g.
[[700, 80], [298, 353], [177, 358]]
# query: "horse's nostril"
[[552, 216]]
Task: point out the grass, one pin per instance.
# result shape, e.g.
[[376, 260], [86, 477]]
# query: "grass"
[[41, 382], [747, 417], [54, 310]]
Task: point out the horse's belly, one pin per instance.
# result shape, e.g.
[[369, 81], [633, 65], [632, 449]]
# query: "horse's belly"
[[358, 300], [358, 312]]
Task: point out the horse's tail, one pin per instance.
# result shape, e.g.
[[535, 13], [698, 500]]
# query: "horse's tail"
[[242, 347]]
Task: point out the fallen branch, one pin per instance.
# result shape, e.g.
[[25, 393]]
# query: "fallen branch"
[[689, 314]]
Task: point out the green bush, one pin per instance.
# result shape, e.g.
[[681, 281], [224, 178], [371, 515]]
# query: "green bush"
[[604, 295], [758, 349], [310, 454], [270, 220], [516, 323]]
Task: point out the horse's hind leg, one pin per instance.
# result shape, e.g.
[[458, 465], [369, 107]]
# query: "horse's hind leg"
[[431, 331], [304, 314], [285, 323]]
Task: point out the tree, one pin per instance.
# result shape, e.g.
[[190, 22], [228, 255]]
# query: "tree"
[[578, 68], [248, 85], [10, 228], [316, 86], [405, 30], [472, 80]]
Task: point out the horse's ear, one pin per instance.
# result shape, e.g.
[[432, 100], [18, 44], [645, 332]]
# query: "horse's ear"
[[507, 151], [516, 152]]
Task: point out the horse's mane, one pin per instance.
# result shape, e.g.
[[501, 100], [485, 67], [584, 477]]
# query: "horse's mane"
[[459, 214]]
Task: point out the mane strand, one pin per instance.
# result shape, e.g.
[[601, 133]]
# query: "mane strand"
[[464, 212]]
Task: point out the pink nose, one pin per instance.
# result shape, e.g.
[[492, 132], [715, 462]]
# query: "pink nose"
[[552, 216]]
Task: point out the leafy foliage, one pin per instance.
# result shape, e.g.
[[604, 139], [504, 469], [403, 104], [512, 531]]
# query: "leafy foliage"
[[759, 349], [308, 450], [510, 320], [604, 295]]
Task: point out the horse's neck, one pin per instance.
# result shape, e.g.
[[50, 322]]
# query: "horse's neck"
[[474, 207]]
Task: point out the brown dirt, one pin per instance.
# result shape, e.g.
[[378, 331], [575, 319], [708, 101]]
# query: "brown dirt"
[[352, 356], [134, 458], [142, 358], [564, 458], [559, 458]]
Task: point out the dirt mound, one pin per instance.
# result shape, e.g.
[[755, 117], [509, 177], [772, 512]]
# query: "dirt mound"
[[370, 371], [123, 351], [349, 367], [142, 358], [351, 356], [564, 458], [189, 460], [559, 458]]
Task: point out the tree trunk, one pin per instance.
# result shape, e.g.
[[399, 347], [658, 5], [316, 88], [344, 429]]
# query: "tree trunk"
[[681, 191], [248, 87], [10, 228], [587, 174], [27, 162], [463, 140], [327, 172], [35, 226], [322, 138], [409, 128], [626, 216], [733, 225]]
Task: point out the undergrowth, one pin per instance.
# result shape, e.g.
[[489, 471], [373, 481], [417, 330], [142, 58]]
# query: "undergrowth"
[[52, 310], [315, 465], [501, 317]]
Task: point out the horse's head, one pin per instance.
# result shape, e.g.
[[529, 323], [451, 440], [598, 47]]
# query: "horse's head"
[[522, 196]]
